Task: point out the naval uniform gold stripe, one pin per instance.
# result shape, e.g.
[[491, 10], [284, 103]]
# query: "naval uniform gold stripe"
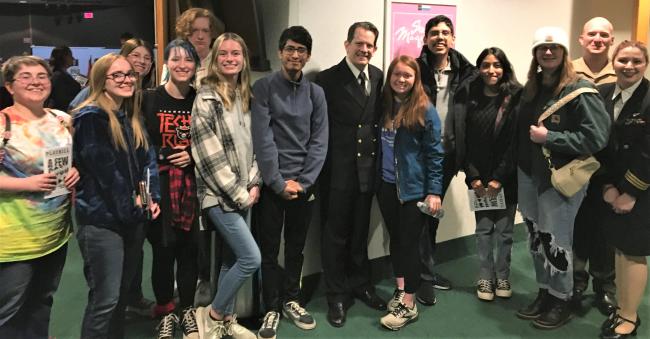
[[635, 181]]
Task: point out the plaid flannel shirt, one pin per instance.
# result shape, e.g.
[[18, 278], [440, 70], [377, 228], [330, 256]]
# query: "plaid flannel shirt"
[[215, 157]]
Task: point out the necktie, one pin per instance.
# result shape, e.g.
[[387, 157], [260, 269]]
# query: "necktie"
[[362, 83], [618, 105]]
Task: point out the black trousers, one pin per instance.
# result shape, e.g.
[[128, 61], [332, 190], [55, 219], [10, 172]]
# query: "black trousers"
[[280, 285], [404, 223], [180, 250], [427, 243], [590, 246], [345, 244]]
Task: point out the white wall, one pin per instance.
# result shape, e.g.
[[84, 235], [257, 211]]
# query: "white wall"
[[508, 24]]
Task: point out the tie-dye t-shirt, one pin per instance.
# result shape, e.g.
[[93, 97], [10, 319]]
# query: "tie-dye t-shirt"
[[30, 225]]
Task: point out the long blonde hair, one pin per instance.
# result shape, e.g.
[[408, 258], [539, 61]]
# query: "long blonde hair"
[[218, 82], [97, 97]]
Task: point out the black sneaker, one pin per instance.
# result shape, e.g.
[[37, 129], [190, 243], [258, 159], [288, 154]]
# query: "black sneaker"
[[188, 324], [167, 326], [504, 289], [269, 328], [426, 294], [539, 306], [485, 289], [558, 315], [298, 315], [440, 282]]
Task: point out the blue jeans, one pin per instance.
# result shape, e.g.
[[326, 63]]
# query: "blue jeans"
[[550, 217], [26, 294], [241, 258], [110, 264]]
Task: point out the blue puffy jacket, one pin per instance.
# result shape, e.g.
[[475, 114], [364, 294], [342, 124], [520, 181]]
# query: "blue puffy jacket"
[[105, 191]]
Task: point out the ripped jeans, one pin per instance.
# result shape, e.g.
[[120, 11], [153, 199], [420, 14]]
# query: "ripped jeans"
[[550, 217]]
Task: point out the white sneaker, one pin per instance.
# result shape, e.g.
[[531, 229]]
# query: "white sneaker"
[[398, 298], [269, 328], [208, 327], [236, 331], [300, 317], [504, 290], [400, 317], [485, 289]]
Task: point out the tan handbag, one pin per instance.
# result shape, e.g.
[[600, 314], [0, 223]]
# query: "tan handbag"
[[572, 177]]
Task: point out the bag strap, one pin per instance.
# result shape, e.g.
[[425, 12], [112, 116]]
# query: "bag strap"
[[6, 135], [556, 106]]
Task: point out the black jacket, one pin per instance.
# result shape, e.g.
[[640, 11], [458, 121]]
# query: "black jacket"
[[463, 73], [626, 159], [491, 149], [353, 118]]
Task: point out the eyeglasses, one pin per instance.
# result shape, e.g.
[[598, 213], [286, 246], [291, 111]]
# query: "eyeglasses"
[[290, 49], [28, 78], [443, 33], [120, 77], [137, 56]]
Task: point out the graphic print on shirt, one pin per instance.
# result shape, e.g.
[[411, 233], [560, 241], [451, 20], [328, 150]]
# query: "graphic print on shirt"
[[174, 127]]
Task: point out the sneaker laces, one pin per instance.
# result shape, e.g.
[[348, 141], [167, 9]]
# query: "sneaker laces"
[[167, 326], [295, 307], [218, 330], [229, 325], [485, 285], [398, 295], [188, 324], [271, 320], [401, 310], [503, 284]]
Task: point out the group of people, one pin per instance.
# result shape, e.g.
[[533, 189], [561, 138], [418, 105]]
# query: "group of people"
[[209, 150]]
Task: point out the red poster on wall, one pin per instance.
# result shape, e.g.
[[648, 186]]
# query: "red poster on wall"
[[407, 25]]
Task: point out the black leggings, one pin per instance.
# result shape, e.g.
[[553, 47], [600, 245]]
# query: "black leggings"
[[179, 247], [404, 222]]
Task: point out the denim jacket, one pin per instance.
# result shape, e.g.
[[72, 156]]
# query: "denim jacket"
[[109, 175], [418, 159]]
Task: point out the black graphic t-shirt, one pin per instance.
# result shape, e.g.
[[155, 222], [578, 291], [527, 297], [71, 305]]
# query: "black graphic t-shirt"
[[167, 118]]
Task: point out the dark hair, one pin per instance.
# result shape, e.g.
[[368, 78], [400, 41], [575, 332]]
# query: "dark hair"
[[188, 47], [365, 25], [636, 44], [508, 82], [298, 34], [184, 44], [126, 36], [436, 20], [58, 57]]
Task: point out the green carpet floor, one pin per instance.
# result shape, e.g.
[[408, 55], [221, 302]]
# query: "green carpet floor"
[[458, 313]]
